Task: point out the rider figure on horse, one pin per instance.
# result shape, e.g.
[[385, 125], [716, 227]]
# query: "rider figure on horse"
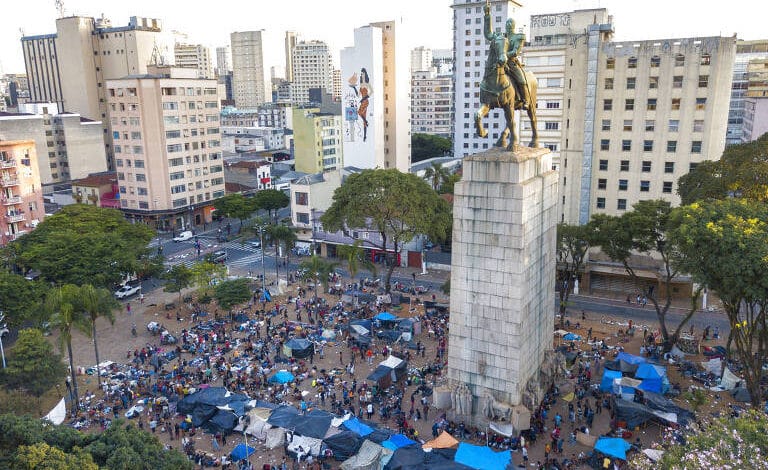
[[513, 66]]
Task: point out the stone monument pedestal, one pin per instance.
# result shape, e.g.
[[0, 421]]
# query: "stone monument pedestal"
[[502, 279]]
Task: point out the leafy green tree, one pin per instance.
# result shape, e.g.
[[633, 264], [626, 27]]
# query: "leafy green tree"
[[125, 447], [271, 200], [725, 247], [231, 293], [97, 303], [178, 278], [398, 206], [41, 456], [448, 183], [354, 257], [150, 266], [425, 146], [18, 430], [645, 230], [282, 236], [33, 365], [235, 206], [83, 244], [317, 269], [436, 175], [573, 243], [204, 272], [742, 171], [20, 299], [726, 442], [62, 302]]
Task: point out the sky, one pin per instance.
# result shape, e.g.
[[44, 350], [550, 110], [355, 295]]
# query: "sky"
[[334, 21]]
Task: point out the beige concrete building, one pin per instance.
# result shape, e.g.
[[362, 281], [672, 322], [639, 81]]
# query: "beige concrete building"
[[167, 146], [431, 96], [421, 59], [68, 145], [312, 68], [291, 38], [317, 140], [71, 67], [336, 84], [248, 69], [194, 56], [21, 198]]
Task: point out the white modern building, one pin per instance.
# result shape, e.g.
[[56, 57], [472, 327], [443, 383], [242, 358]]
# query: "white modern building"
[[312, 65], [374, 98], [431, 97], [248, 69], [291, 38], [421, 59], [194, 56], [223, 60], [745, 52]]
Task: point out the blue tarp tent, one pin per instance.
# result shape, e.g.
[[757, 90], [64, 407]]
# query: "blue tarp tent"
[[397, 441], [240, 452], [354, 425], [572, 337], [282, 377], [652, 377], [632, 359], [606, 384], [482, 458], [385, 316], [613, 447]]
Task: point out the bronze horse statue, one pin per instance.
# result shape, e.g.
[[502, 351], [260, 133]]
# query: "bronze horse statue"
[[498, 91]]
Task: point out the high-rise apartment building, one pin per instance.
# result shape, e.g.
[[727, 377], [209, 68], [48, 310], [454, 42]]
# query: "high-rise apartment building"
[[336, 84], [756, 101], [470, 51], [248, 69], [223, 60], [375, 103], [70, 68], [312, 68], [20, 194], [317, 140], [745, 52], [167, 146], [291, 38], [68, 146], [194, 56], [431, 97], [421, 59]]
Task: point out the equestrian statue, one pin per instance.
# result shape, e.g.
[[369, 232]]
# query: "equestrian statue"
[[506, 84]]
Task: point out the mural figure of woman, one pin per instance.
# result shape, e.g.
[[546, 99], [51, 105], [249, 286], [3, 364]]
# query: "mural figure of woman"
[[365, 93]]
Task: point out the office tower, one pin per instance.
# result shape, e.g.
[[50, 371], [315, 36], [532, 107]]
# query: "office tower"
[[336, 84], [194, 56], [167, 146], [431, 96], [375, 103], [312, 68], [291, 38], [745, 52], [248, 69], [223, 60]]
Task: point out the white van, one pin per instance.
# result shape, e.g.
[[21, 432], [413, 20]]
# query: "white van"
[[184, 236]]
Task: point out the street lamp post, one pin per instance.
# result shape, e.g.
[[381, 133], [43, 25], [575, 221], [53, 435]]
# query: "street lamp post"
[[3, 331]]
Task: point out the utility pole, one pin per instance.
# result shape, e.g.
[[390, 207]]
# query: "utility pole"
[[3, 331]]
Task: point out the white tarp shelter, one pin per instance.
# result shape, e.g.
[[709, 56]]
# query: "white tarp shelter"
[[392, 362], [58, 414], [275, 438], [367, 458], [305, 445], [729, 380]]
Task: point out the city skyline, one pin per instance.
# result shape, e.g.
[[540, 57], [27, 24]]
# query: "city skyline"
[[656, 20]]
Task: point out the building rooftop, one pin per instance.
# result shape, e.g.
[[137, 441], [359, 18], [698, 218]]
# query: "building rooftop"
[[97, 179]]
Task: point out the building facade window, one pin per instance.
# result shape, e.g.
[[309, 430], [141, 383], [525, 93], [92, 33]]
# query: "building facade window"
[[606, 125], [669, 167], [626, 145], [696, 146], [601, 203], [624, 165], [671, 146], [602, 183], [645, 186], [666, 187], [677, 81], [623, 184], [621, 204], [629, 104], [605, 144], [647, 146], [603, 165]]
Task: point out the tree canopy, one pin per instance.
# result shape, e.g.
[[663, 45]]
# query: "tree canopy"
[[398, 206], [20, 299], [33, 366], [271, 200], [236, 206], [742, 171], [178, 278], [83, 244], [425, 146], [573, 242], [233, 292]]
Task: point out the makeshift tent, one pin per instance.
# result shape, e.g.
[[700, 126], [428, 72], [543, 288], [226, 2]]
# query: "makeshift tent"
[[367, 458], [214, 408], [653, 378], [258, 427], [275, 438], [344, 445], [357, 427], [630, 358], [385, 316], [285, 417], [654, 454], [388, 371], [282, 377], [572, 337], [625, 387], [729, 381], [613, 447], [329, 335], [314, 424], [397, 441], [606, 383], [659, 403], [443, 441], [713, 366], [58, 414], [222, 421], [560, 333], [677, 353], [632, 413], [505, 429], [241, 452], [741, 394], [299, 348], [411, 457], [481, 457], [305, 445]]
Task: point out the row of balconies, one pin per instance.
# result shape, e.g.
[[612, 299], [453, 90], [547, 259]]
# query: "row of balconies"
[[7, 182], [15, 218], [9, 201], [7, 163]]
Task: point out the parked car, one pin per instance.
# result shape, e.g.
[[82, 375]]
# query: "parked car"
[[218, 256], [127, 291], [184, 236], [254, 243]]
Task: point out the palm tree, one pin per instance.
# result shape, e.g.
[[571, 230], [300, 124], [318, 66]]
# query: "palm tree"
[[62, 302], [318, 269], [282, 234], [354, 256], [435, 174], [97, 303]]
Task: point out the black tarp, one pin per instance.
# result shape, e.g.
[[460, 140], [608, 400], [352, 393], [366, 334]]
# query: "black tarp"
[[222, 421], [203, 405], [634, 414], [314, 424], [382, 376], [658, 402], [741, 394], [201, 413], [286, 417], [378, 435], [623, 366], [300, 348], [406, 457], [344, 444]]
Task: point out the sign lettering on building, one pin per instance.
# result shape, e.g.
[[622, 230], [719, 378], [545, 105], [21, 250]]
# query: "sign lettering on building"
[[550, 21]]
